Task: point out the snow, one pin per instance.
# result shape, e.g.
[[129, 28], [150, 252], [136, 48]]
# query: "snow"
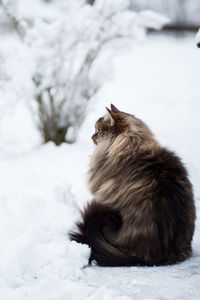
[[15, 70], [42, 186], [179, 11], [153, 19], [198, 38]]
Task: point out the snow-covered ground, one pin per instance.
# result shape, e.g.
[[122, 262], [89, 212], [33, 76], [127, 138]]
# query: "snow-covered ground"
[[42, 186]]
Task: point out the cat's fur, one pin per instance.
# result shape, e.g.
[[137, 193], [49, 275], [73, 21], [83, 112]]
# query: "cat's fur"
[[143, 210]]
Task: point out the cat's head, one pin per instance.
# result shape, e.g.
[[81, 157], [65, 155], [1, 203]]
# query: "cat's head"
[[117, 123]]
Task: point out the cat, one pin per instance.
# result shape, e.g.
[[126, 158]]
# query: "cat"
[[143, 211]]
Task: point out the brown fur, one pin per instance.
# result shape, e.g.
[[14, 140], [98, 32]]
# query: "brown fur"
[[143, 209]]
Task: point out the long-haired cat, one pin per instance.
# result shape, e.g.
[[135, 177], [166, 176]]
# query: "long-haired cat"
[[143, 210]]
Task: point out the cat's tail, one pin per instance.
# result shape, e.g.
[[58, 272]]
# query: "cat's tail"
[[90, 231]]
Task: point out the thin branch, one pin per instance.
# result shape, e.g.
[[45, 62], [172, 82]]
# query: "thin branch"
[[15, 22]]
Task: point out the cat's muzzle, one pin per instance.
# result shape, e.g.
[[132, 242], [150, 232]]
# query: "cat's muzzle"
[[94, 138]]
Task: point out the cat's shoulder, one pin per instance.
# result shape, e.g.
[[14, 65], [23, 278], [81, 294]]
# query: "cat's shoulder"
[[161, 161], [169, 163]]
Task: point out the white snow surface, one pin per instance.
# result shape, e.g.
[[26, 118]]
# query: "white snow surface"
[[42, 186], [198, 37]]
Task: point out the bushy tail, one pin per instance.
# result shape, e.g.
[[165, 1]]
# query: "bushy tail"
[[90, 232]]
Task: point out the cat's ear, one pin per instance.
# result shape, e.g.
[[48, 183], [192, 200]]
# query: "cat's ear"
[[118, 120], [112, 116], [114, 109], [116, 117]]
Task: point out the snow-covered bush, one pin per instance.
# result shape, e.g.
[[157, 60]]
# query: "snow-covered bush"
[[66, 52], [15, 70], [9, 9]]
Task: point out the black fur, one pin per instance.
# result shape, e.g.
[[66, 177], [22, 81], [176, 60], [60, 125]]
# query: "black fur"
[[90, 231]]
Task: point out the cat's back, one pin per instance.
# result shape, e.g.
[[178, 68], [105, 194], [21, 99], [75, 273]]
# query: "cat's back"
[[157, 205], [167, 183], [160, 164]]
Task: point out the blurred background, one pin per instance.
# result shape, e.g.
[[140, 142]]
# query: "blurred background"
[[61, 63], [183, 14]]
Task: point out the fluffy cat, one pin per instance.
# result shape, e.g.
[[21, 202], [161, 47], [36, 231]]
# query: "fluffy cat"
[[143, 210]]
